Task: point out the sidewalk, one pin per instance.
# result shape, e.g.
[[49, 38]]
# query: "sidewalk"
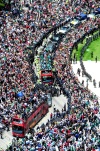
[[6, 141], [93, 69]]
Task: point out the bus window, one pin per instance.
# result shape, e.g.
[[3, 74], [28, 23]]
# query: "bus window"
[[46, 72], [17, 129]]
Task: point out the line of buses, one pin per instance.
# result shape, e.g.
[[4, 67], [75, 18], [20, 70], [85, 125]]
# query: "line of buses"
[[44, 59], [44, 69]]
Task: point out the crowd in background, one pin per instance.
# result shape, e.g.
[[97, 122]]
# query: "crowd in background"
[[23, 27]]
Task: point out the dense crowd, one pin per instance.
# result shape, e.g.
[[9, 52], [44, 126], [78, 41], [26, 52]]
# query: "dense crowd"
[[78, 130], [19, 30]]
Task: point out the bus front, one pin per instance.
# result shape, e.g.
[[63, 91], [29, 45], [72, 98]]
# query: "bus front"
[[47, 77], [18, 127]]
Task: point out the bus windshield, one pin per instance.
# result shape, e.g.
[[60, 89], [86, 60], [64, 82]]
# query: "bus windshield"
[[17, 120], [17, 129], [47, 79]]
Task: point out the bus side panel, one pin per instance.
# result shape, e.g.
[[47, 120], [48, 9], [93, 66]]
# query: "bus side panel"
[[45, 109], [37, 115], [36, 119]]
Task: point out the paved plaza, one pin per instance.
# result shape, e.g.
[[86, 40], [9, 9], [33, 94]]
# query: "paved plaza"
[[93, 69]]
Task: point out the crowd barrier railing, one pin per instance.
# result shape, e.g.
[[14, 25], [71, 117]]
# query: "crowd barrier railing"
[[83, 50], [91, 36]]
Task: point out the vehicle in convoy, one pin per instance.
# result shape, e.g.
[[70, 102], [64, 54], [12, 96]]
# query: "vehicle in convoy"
[[91, 16], [55, 38], [49, 99], [46, 73], [81, 16], [64, 30], [51, 46], [68, 19], [47, 76], [21, 125], [97, 11], [75, 23]]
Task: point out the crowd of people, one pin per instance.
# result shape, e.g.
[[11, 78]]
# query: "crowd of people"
[[78, 130], [19, 29]]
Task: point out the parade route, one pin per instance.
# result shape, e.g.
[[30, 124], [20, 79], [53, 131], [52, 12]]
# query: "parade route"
[[59, 102], [92, 68]]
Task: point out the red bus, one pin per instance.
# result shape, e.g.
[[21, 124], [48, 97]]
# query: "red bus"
[[21, 126], [47, 76]]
